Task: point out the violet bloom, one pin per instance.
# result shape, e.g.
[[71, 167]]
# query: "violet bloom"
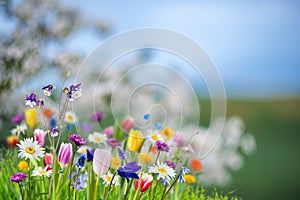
[[121, 153], [86, 127], [179, 140], [109, 131], [65, 154], [47, 90], [129, 171], [39, 136], [77, 139], [113, 142], [162, 146], [17, 118], [32, 100], [90, 154], [54, 132], [170, 164], [18, 177], [74, 92], [80, 181], [97, 117]]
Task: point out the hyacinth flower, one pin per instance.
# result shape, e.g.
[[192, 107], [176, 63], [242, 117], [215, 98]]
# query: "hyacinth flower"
[[81, 161], [79, 181], [129, 171], [47, 90], [39, 136], [144, 182], [65, 154], [135, 140], [31, 117]]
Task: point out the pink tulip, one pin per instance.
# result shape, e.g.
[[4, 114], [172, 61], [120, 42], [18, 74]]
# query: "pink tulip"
[[179, 140], [145, 181], [39, 136], [65, 154], [127, 124], [48, 159], [109, 131]]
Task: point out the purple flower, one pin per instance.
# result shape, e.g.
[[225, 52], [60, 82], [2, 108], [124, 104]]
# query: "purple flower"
[[121, 153], [48, 89], [129, 171], [86, 127], [90, 154], [80, 182], [179, 140], [77, 139], [65, 154], [170, 164], [74, 92], [18, 177], [32, 100], [17, 118], [162, 146], [113, 142], [54, 132], [97, 117]]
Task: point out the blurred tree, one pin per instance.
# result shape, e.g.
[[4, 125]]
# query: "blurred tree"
[[29, 28]]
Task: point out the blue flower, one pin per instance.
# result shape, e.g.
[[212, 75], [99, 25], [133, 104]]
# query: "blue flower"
[[121, 153], [52, 122], [181, 179], [147, 116], [90, 155], [184, 170], [158, 126], [129, 171], [81, 161], [80, 181], [165, 182]]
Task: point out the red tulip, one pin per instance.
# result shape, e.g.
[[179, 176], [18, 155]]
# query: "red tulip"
[[145, 182], [48, 159]]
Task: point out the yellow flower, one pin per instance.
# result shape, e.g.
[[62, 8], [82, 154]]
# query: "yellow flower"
[[135, 140], [23, 165], [189, 178], [167, 132], [145, 158], [115, 163], [31, 117]]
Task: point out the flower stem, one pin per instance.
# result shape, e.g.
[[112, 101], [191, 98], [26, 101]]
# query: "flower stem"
[[108, 190], [20, 191], [157, 157]]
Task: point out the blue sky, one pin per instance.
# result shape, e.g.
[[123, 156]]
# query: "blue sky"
[[254, 44]]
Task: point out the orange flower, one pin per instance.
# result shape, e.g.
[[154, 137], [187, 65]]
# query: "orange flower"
[[47, 113], [196, 165], [12, 141], [154, 150]]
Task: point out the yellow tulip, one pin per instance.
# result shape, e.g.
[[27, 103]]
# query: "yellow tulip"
[[31, 117], [135, 140]]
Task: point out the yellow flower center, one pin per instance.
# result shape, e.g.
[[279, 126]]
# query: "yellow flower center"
[[29, 150], [70, 117], [162, 170], [108, 178], [97, 139], [154, 137], [42, 172]]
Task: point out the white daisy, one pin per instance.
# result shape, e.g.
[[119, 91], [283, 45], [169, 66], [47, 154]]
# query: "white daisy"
[[70, 117], [30, 149], [41, 172], [155, 137], [163, 171], [108, 177], [97, 138], [19, 129]]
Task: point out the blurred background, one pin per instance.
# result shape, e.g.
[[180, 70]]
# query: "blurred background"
[[254, 45]]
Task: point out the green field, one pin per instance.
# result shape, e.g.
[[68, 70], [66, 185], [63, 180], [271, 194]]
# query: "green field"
[[273, 172]]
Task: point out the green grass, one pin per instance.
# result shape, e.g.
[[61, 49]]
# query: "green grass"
[[273, 171]]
